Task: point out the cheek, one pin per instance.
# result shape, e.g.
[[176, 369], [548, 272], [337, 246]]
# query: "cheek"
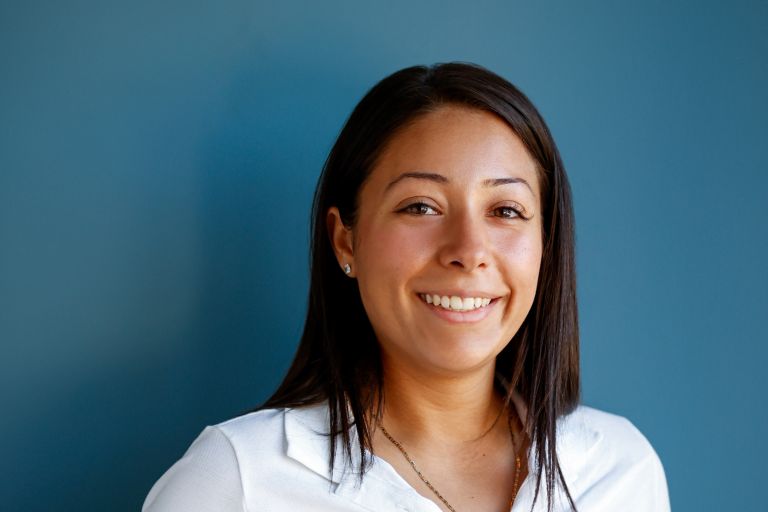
[[391, 250], [520, 255], [387, 257]]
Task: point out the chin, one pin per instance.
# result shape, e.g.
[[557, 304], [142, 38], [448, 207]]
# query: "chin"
[[461, 359]]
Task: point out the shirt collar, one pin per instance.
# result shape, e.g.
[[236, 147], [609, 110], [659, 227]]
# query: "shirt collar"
[[575, 438], [308, 442]]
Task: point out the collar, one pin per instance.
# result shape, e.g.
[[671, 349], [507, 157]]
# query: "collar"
[[308, 442], [574, 438]]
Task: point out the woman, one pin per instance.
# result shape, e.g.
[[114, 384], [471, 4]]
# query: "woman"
[[439, 368]]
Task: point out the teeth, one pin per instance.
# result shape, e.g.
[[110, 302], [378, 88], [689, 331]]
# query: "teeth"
[[456, 303]]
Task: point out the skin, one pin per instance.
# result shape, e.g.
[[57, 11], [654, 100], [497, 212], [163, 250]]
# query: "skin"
[[438, 375]]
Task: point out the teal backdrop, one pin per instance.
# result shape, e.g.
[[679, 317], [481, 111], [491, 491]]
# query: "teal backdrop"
[[157, 163]]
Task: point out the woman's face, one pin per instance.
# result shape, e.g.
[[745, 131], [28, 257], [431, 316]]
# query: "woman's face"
[[451, 211]]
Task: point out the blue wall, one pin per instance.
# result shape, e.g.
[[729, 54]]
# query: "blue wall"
[[157, 161]]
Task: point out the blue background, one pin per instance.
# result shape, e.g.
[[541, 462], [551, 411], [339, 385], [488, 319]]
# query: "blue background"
[[157, 162]]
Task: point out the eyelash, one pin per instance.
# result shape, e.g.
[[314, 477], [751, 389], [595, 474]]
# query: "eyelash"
[[518, 211]]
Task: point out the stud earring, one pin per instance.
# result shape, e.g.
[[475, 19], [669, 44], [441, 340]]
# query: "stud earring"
[[347, 268]]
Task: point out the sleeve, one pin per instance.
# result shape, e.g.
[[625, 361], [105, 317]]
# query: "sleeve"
[[623, 472], [661, 491], [647, 486], [206, 479], [639, 479]]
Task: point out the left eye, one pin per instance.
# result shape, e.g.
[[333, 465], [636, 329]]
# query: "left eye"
[[507, 212], [419, 209]]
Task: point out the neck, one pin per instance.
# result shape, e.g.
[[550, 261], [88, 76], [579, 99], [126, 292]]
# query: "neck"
[[448, 410]]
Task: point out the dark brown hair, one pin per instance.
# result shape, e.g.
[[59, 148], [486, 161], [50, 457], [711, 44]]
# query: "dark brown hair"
[[339, 355]]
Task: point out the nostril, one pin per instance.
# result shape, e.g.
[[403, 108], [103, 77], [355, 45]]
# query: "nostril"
[[461, 264]]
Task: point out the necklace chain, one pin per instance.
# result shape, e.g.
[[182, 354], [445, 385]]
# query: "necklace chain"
[[518, 465]]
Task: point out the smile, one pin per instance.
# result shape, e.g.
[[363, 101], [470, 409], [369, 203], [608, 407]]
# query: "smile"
[[458, 310], [454, 302]]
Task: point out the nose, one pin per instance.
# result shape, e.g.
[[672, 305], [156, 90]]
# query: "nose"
[[465, 244]]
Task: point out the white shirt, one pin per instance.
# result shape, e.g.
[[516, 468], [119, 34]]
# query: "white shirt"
[[276, 460]]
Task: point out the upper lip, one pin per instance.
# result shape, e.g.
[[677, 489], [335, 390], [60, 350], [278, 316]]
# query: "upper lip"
[[450, 292]]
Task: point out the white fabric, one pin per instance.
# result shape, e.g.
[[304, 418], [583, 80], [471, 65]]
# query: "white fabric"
[[276, 460]]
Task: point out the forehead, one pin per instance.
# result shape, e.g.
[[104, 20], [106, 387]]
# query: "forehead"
[[466, 145]]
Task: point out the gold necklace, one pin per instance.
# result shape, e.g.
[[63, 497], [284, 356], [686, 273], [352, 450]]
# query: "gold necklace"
[[518, 465]]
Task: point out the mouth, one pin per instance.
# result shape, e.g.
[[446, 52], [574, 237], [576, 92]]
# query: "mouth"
[[458, 309], [456, 302]]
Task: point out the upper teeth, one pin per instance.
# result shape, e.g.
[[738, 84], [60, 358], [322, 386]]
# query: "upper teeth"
[[455, 302]]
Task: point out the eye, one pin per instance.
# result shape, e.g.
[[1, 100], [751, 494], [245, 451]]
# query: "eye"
[[509, 212], [419, 209]]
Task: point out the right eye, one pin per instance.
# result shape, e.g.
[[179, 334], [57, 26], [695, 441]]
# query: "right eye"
[[419, 209]]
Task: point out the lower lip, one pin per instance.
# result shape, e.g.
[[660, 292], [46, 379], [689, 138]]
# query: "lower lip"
[[460, 317]]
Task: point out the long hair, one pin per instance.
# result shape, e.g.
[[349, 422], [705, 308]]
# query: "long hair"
[[338, 357]]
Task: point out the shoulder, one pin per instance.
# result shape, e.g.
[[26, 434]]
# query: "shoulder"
[[609, 432], [209, 475], [264, 426], [605, 458]]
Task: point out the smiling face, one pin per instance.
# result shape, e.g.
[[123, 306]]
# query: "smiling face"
[[449, 214]]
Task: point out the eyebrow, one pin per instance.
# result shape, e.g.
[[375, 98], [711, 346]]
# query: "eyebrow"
[[439, 178]]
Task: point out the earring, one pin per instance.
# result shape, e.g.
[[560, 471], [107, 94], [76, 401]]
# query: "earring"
[[347, 268]]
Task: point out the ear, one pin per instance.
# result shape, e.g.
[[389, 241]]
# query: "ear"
[[341, 239]]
